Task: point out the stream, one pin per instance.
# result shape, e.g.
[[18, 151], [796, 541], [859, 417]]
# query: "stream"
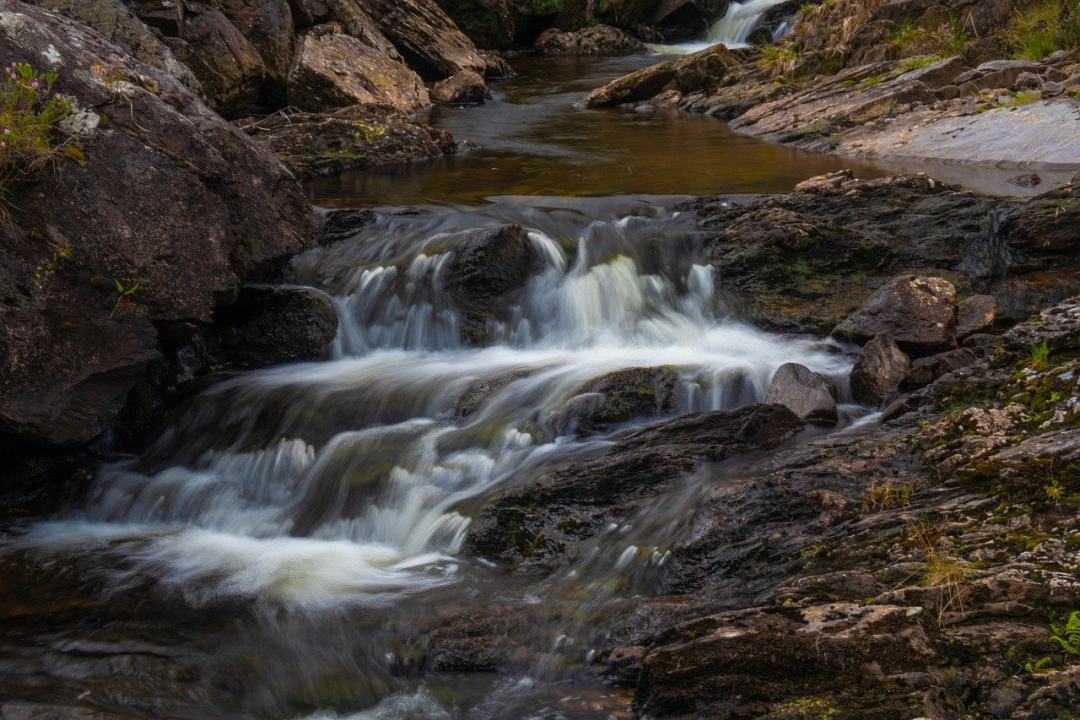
[[288, 543]]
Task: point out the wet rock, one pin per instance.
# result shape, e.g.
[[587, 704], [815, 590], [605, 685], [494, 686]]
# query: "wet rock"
[[338, 225], [271, 325], [359, 136], [692, 72], [804, 392], [597, 40], [879, 369], [228, 66], [576, 501], [487, 268], [618, 397], [426, 37], [268, 26], [1057, 326], [497, 67], [478, 392], [463, 88], [918, 312], [334, 70], [203, 207], [975, 314]]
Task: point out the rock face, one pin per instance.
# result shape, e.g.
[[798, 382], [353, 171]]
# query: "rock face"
[[270, 325], [202, 208], [879, 369], [487, 268], [697, 70], [975, 314], [359, 136], [334, 70], [464, 88], [804, 392], [426, 37], [268, 25], [598, 40], [488, 23], [918, 312], [619, 397]]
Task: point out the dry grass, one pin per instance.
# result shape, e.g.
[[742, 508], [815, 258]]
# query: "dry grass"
[[943, 570], [832, 25]]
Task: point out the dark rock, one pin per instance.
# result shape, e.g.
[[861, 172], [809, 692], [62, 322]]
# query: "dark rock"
[[478, 392], [497, 67], [975, 314], [1028, 81], [463, 88], [359, 136], [487, 267], [598, 40], [879, 369], [928, 369], [918, 312], [333, 70], [268, 25], [340, 225], [426, 37], [203, 207], [488, 23], [804, 392], [1026, 180], [270, 325], [312, 12], [617, 398], [227, 65], [694, 72]]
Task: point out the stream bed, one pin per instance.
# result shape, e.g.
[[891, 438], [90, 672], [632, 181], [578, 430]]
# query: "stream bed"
[[291, 544]]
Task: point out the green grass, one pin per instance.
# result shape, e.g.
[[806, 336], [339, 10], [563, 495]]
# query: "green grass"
[[1025, 97], [872, 81], [1039, 353], [1042, 28], [1075, 93], [946, 39], [30, 114], [918, 63]]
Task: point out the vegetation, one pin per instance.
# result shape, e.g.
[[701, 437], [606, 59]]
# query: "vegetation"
[[1043, 27], [1039, 354], [834, 22], [885, 496], [542, 7], [943, 40], [1026, 97], [1067, 635], [779, 60], [30, 114]]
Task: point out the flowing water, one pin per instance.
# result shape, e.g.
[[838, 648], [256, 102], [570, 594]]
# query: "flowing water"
[[734, 29], [293, 541]]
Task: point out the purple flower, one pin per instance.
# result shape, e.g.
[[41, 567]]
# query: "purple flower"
[[7, 131], [35, 84]]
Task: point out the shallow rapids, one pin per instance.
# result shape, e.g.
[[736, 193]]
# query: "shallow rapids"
[[352, 481]]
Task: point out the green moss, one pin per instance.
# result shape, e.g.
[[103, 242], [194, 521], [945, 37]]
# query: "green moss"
[[1020, 99]]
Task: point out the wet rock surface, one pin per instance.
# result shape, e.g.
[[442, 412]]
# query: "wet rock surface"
[[804, 392], [919, 313], [598, 40]]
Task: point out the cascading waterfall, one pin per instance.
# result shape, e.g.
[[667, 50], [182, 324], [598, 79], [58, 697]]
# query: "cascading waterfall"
[[733, 29]]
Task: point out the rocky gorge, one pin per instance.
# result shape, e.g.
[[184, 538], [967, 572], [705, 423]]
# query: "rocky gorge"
[[768, 410]]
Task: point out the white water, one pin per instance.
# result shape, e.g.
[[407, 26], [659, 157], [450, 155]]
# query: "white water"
[[733, 30], [352, 481]]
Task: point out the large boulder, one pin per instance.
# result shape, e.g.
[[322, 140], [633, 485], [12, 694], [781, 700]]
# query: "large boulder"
[[804, 392], [618, 397], [114, 20], [229, 67], [334, 70], [166, 210], [918, 312], [596, 40], [693, 72], [879, 369], [269, 325], [268, 25], [426, 36], [487, 267], [358, 136], [488, 23]]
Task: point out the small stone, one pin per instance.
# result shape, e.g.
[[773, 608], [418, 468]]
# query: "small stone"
[[804, 392], [879, 369], [463, 88]]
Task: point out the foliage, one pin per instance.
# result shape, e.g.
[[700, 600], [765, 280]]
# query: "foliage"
[[835, 23], [1043, 27], [1040, 353], [946, 39], [886, 496], [1025, 97], [779, 60], [124, 295], [918, 63], [872, 81], [30, 114], [943, 570], [542, 7], [1068, 635]]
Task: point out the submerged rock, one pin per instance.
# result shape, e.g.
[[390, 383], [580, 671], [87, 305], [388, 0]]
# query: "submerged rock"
[[616, 398], [919, 313], [880, 367], [359, 136], [804, 392], [463, 88], [597, 40]]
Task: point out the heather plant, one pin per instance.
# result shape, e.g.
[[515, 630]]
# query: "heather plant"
[[30, 115]]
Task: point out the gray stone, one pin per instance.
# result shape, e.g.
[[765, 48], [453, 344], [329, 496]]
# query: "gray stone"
[[804, 392]]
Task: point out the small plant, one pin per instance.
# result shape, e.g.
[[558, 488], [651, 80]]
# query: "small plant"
[[1040, 353], [542, 7], [1075, 93], [1032, 667], [124, 294], [886, 496], [1068, 635], [943, 570], [1025, 97], [779, 61], [1043, 27], [30, 114], [872, 81], [918, 63]]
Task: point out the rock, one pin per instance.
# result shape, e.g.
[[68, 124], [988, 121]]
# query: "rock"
[[576, 501], [359, 136], [1028, 81], [975, 314], [312, 12], [268, 25], [928, 369], [497, 67], [596, 40], [616, 398], [478, 392], [426, 37], [918, 312], [202, 208], [358, 22], [487, 267], [227, 65], [334, 70], [1026, 180], [804, 392], [464, 88], [488, 23], [270, 325], [114, 20], [695, 72], [686, 18], [880, 367]]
